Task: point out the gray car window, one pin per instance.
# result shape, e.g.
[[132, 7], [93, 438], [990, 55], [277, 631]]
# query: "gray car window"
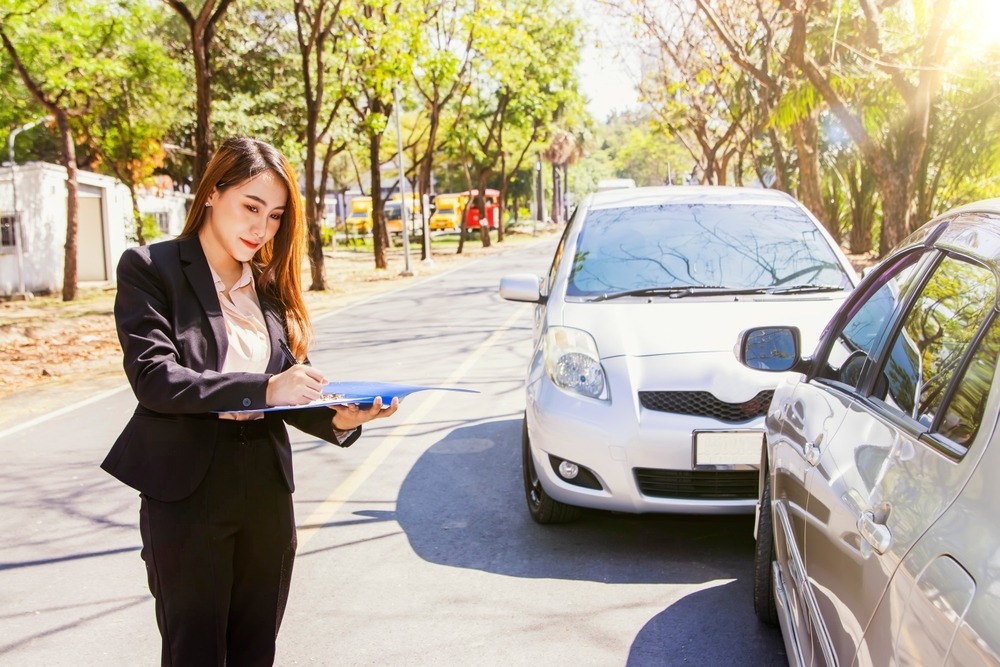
[[681, 245], [964, 413], [935, 337], [868, 314]]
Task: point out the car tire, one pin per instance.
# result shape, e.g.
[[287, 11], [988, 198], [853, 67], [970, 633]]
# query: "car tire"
[[764, 557], [543, 508]]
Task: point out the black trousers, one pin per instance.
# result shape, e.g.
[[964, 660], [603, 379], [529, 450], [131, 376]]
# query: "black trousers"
[[219, 562]]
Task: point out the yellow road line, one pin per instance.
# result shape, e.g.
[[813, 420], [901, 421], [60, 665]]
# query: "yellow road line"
[[349, 486]]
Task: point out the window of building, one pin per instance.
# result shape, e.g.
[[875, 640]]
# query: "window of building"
[[8, 232]]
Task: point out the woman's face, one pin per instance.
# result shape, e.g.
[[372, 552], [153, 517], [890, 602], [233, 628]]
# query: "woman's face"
[[243, 218]]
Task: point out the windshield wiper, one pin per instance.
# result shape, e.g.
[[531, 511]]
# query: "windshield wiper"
[[810, 287], [774, 289], [651, 291], [716, 290]]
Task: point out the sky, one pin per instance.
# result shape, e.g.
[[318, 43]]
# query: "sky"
[[609, 69]]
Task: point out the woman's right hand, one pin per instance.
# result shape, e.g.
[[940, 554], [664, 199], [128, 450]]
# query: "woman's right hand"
[[298, 385]]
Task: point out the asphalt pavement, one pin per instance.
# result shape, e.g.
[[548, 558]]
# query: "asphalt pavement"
[[415, 545]]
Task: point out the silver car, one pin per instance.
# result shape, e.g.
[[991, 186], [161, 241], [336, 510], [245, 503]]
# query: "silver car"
[[877, 534], [634, 400]]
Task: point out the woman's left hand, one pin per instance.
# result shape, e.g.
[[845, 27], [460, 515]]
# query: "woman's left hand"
[[349, 417]]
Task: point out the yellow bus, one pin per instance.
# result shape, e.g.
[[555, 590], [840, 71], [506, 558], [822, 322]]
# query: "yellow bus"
[[360, 219], [447, 214]]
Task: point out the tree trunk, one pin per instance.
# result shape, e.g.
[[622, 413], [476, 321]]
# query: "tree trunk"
[[380, 234], [805, 133], [136, 214], [896, 195], [69, 291], [484, 223], [556, 195], [315, 234]]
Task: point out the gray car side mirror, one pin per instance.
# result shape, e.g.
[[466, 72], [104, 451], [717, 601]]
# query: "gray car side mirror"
[[773, 349]]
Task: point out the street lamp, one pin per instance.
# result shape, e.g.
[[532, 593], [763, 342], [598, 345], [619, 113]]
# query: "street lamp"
[[18, 234]]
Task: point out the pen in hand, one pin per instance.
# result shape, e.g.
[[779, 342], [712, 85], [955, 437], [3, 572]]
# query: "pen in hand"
[[287, 353]]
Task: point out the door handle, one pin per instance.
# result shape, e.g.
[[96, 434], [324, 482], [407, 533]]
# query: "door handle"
[[811, 452], [875, 533]]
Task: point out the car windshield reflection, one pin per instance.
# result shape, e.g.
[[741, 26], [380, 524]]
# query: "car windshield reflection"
[[706, 249]]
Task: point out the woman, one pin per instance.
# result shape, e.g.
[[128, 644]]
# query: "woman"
[[203, 320]]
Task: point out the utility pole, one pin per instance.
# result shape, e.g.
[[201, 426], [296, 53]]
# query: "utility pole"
[[403, 206], [539, 194]]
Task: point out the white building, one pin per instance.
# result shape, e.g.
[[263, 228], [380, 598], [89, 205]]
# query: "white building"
[[105, 214], [168, 207]]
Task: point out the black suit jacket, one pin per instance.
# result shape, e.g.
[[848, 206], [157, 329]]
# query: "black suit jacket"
[[174, 340]]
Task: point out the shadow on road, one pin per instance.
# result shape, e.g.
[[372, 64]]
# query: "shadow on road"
[[453, 515], [679, 634]]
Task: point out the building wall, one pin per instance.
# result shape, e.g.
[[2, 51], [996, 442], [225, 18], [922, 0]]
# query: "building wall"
[[41, 202]]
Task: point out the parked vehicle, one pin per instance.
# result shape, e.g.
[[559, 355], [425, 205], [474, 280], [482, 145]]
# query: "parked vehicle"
[[634, 400], [448, 208], [360, 219], [394, 215], [877, 537], [492, 209], [614, 184]]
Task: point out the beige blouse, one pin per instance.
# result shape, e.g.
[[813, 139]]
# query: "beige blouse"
[[249, 345]]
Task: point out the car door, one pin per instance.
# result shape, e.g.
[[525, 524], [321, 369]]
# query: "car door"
[[939, 608], [811, 414], [880, 482]]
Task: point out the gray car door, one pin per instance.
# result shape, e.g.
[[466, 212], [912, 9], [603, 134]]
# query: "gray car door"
[[881, 482], [811, 413]]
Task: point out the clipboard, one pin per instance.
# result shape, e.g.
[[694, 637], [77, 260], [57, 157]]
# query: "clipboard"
[[361, 393]]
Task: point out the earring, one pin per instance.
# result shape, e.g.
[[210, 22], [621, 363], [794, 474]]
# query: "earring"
[[208, 205]]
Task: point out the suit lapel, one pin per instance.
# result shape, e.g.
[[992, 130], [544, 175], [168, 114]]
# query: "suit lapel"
[[196, 269], [275, 331]]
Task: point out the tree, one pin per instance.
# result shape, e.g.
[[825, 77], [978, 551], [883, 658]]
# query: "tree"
[[697, 95], [524, 79], [62, 54], [379, 37], [132, 114], [755, 38], [440, 72], [202, 29], [904, 63], [315, 24]]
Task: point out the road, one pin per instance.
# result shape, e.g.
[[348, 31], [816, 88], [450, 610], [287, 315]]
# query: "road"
[[415, 546]]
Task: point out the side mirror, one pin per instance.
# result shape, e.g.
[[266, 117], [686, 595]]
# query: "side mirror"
[[774, 349], [521, 287]]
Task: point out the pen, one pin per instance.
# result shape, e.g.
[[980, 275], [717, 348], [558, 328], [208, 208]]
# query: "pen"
[[287, 352]]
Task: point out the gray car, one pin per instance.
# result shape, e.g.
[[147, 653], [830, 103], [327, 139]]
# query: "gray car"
[[877, 537]]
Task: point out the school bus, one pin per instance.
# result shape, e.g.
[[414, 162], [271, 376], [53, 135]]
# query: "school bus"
[[447, 214], [360, 219]]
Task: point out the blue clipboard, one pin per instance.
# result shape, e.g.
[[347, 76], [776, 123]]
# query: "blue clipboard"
[[361, 393]]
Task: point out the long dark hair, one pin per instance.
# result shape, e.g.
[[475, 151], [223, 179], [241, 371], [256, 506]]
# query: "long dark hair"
[[277, 265]]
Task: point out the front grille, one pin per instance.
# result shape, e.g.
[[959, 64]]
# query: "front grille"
[[697, 484], [704, 404]]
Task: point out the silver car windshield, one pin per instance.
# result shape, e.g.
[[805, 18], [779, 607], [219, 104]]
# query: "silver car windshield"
[[727, 246]]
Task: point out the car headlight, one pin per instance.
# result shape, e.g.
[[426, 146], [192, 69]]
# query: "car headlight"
[[572, 362]]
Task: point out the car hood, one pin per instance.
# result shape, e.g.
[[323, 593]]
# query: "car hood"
[[663, 326]]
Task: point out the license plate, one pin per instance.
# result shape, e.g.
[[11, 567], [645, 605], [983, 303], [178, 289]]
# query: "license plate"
[[727, 448]]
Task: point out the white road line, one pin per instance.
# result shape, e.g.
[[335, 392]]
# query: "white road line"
[[61, 411], [349, 486]]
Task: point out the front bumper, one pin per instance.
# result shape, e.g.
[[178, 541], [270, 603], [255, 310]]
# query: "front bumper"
[[644, 459]]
